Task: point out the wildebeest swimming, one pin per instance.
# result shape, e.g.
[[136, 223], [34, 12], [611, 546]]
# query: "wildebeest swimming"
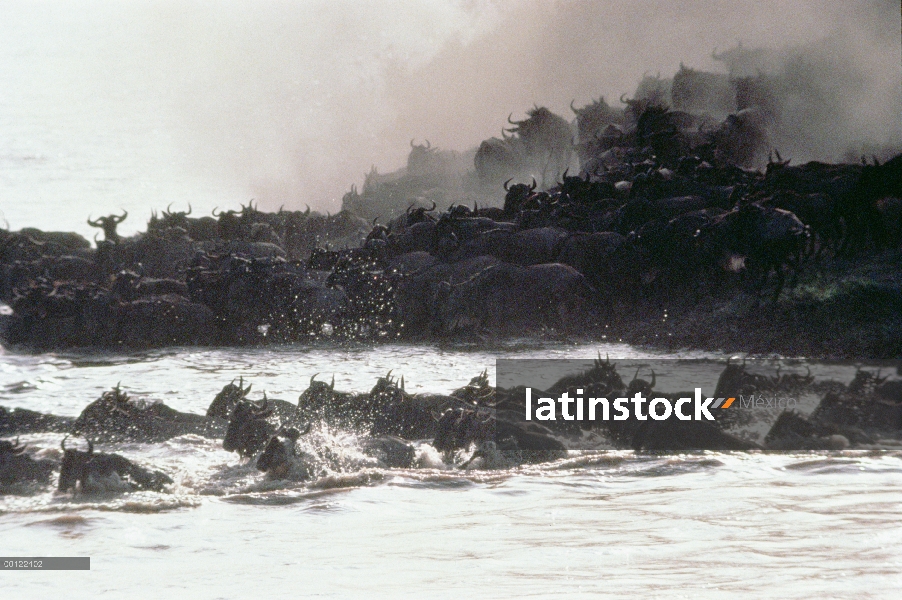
[[475, 426], [16, 467], [90, 471]]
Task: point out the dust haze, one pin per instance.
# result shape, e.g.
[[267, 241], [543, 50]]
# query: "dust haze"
[[296, 101]]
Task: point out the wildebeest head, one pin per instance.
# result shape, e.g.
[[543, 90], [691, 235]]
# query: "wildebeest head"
[[248, 429], [516, 195], [457, 428], [387, 390], [8, 448], [17, 467], [276, 457], [318, 395], [169, 220], [108, 224], [421, 158], [478, 391], [865, 382], [225, 401], [420, 214], [73, 465], [640, 386]]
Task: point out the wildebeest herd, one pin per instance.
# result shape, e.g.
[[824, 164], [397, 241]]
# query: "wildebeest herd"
[[665, 204], [475, 426]]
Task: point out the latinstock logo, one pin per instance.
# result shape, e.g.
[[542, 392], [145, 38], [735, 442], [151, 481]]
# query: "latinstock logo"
[[578, 408]]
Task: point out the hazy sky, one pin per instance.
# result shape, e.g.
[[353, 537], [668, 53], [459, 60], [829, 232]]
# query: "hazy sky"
[[292, 102]]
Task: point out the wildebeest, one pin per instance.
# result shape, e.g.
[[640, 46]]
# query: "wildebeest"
[[792, 431], [17, 467], [94, 472], [322, 402], [700, 91], [281, 460], [497, 159], [224, 402], [116, 417], [22, 420], [547, 141], [769, 239], [505, 297], [249, 428], [109, 224], [458, 428], [391, 451]]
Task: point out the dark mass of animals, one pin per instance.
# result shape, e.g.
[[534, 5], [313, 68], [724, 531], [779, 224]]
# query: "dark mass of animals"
[[671, 195], [475, 426]]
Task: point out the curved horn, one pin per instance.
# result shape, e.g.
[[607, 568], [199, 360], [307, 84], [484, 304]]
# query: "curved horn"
[[534, 184], [122, 218], [189, 210], [94, 223], [332, 385], [374, 220], [63, 443], [506, 184], [622, 101], [402, 383], [312, 377], [428, 145], [575, 111], [411, 142], [509, 119], [307, 212], [214, 212], [434, 205], [167, 211]]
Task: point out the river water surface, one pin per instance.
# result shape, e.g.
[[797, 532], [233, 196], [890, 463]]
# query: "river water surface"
[[601, 522]]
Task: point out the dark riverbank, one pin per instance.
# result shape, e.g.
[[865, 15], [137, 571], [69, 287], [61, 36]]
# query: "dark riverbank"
[[839, 309]]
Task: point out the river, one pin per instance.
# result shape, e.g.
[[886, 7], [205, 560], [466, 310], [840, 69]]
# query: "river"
[[601, 522]]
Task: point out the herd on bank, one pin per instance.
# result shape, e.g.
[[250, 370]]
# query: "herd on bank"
[[475, 426], [665, 208], [555, 260]]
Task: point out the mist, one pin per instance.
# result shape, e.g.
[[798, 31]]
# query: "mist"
[[291, 103]]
